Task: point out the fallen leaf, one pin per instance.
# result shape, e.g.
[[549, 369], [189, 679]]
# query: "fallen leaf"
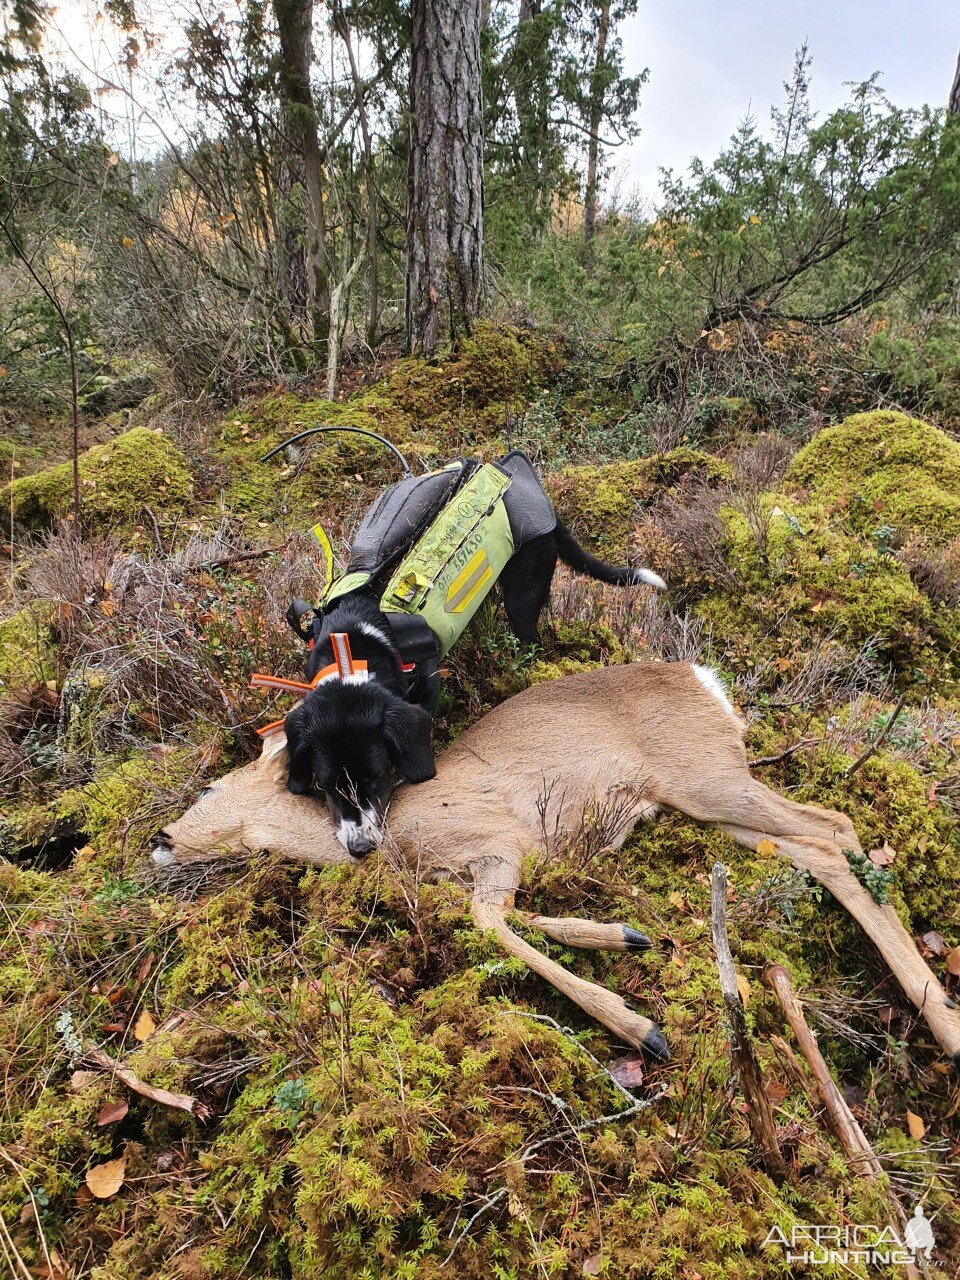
[[105, 1180], [661, 270], [514, 1205], [628, 1071], [915, 1125], [743, 987], [953, 961], [111, 1112], [145, 1025], [676, 900], [777, 1092], [591, 1265], [883, 856], [754, 219], [127, 241], [766, 848], [935, 943], [82, 1080]]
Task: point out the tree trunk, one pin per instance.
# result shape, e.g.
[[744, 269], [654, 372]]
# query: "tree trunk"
[[598, 87], [953, 103], [369, 180], [295, 28], [445, 174]]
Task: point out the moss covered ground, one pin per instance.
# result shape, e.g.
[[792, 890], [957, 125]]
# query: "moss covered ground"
[[384, 1094]]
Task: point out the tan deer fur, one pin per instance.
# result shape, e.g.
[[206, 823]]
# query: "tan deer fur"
[[630, 739]]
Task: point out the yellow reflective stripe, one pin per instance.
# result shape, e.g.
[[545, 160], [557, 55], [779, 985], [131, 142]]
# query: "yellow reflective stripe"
[[476, 560], [457, 605]]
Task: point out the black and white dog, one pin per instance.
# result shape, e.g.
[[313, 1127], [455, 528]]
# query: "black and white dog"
[[348, 738]]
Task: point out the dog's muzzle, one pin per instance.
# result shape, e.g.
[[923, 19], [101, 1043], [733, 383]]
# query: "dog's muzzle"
[[359, 838]]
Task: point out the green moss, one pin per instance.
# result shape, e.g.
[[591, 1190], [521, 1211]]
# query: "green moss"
[[27, 654], [600, 502], [797, 571], [117, 480], [431, 411], [884, 469]]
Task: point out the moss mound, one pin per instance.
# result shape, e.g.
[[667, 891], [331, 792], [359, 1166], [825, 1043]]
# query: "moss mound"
[[431, 410], [600, 502], [140, 467], [884, 469]]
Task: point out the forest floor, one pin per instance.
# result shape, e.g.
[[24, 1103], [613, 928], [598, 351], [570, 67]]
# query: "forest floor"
[[374, 1095]]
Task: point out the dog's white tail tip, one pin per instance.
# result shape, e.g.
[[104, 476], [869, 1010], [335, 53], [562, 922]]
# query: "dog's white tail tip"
[[650, 578]]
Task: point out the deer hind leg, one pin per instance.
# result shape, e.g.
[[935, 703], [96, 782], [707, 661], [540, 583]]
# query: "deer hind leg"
[[492, 894], [814, 840], [587, 934]]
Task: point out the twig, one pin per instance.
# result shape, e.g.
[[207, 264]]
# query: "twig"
[[484, 1208], [156, 529], [840, 1118], [759, 1114], [784, 755], [878, 741], [237, 559], [97, 1057]]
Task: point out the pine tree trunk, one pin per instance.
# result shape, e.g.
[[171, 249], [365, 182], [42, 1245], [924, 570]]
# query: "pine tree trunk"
[[953, 103], [597, 91], [295, 27], [445, 174]]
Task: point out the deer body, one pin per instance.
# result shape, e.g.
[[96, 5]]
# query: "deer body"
[[633, 739]]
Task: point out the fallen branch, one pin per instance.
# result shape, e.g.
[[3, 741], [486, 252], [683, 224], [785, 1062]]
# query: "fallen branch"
[[840, 1119], [879, 740], [760, 1113], [97, 1057], [843, 1123], [239, 558], [784, 755]]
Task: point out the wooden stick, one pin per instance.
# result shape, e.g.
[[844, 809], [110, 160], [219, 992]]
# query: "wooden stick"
[[878, 741], [759, 1114], [784, 755], [181, 1101], [841, 1120]]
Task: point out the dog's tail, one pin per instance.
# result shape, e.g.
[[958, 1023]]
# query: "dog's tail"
[[582, 561]]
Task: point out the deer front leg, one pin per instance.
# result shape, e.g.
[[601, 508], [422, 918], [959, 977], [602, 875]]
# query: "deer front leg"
[[587, 934], [489, 907], [827, 864]]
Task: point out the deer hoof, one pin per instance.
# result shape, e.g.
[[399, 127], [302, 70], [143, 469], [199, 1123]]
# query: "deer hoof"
[[655, 1045], [634, 940]]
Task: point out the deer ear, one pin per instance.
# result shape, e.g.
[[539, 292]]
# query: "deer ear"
[[300, 768], [406, 730]]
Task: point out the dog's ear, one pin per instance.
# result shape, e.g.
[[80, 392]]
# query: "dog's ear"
[[300, 775], [406, 730]]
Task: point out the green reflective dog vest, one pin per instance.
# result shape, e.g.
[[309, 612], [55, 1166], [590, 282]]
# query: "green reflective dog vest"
[[450, 569]]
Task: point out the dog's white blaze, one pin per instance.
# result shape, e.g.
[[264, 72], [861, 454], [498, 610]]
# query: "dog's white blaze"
[[712, 683], [374, 633], [368, 826]]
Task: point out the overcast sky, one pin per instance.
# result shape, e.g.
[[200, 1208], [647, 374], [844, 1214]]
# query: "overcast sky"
[[710, 62]]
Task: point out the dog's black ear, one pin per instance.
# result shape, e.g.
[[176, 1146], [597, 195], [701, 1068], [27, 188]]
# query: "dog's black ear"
[[300, 775], [406, 730]]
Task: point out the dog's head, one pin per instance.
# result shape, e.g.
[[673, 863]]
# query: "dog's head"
[[346, 741]]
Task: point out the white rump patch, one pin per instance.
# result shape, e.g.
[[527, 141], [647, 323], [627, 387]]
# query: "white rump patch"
[[713, 684]]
